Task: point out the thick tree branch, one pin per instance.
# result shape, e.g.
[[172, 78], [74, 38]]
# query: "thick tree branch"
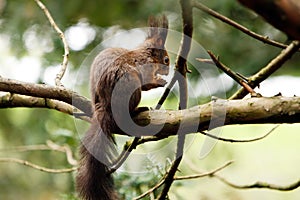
[[246, 111], [46, 91], [11, 100]]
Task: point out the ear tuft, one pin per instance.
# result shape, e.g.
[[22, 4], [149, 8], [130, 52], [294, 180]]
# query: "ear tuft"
[[158, 29]]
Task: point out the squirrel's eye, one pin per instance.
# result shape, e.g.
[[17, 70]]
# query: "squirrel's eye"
[[166, 60]]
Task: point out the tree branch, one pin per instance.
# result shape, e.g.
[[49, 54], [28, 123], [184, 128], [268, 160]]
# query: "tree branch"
[[235, 76], [204, 174], [34, 166], [247, 111], [181, 67], [46, 91], [238, 141], [160, 183], [11, 100], [62, 36], [282, 14], [238, 26], [42, 147], [260, 184], [145, 139], [166, 93], [127, 149], [271, 67]]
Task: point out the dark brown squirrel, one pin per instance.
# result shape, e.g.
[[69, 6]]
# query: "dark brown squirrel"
[[117, 78]]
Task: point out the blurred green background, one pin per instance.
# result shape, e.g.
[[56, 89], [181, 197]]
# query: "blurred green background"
[[31, 51]]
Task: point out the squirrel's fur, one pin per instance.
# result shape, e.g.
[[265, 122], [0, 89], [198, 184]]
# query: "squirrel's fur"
[[117, 74]]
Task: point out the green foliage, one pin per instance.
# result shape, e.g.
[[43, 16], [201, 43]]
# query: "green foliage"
[[22, 127], [132, 185]]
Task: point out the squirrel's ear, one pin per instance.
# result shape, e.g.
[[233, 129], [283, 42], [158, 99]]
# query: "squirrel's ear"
[[160, 42], [164, 22], [158, 27]]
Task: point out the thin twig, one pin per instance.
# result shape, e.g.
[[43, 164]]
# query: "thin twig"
[[204, 174], [157, 138], [44, 147], [238, 26], [166, 93], [206, 60], [269, 69], [34, 166], [239, 141], [124, 154], [161, 182], [251, 186], [64, 41], [65, 149], [236, 77], [38, 147], [260, 184]]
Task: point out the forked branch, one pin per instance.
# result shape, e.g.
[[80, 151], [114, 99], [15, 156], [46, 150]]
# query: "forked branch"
[[269, 69]]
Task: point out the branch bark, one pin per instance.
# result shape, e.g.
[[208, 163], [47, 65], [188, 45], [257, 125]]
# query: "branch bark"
[[46, 91], [10, 100], [247, 111], [269, 69], [238, 26]]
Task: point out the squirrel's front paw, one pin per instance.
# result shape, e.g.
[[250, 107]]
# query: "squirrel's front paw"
[[139, 110]]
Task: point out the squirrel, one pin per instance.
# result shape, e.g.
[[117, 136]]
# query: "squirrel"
[[117, 77]]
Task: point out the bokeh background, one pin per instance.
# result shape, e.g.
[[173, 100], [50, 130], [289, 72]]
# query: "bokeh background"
[[31, 51]]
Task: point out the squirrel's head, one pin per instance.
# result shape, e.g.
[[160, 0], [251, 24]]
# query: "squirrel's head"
[[158, 62]]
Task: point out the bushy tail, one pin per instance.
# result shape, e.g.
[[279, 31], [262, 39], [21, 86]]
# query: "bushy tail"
[[92, 181]]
